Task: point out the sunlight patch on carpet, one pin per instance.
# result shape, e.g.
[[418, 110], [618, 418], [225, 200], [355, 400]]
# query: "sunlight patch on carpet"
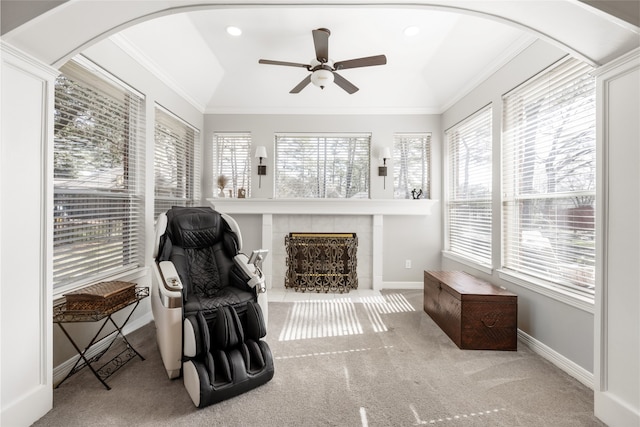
[[331, 353], [321, 318], [457, 417], [390, 303], [363, 417]]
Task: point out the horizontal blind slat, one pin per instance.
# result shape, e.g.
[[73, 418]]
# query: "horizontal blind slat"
[[232, 159], [98, 177], [411, 165], [321, 166], [469, 187], [549, 177], [175, 152]]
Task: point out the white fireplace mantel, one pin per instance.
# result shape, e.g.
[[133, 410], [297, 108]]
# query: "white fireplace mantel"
[[377, 209], [324, 206]]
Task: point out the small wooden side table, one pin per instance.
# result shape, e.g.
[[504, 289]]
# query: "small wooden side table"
[[62, 316]]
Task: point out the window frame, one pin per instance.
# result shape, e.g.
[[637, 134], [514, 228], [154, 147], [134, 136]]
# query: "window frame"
[[465, 250], [183, 139], [285, 168], [559, 79], [235, 180], [416, 142], [98, 229]]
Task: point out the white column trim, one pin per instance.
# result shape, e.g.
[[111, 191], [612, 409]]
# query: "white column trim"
[[377, 250], [267, 243]]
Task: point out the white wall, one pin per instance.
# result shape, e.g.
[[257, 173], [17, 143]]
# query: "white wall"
[[26, 220], [561, 331], [617, 340]]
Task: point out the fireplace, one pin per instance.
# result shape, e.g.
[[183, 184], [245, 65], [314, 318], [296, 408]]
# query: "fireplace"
[[321, 262]]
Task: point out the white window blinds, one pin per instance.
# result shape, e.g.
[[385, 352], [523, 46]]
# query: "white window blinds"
[[469, 188], [176, 162], [232, 163], [549, 177], [322, 166], [411, 165], [98, 176]]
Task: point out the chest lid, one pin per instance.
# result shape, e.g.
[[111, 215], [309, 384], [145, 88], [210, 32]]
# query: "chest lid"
[[466, 287]]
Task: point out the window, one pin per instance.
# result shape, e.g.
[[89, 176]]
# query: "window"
[[98, 176], [411, 165], [322, 166], [549, 177], [469, 188], [232, 163], [176, 162]]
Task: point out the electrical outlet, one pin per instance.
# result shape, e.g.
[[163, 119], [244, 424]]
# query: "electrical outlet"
[[407, 263]]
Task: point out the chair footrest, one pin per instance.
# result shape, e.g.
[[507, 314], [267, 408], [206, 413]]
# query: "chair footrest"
[[226, 357]]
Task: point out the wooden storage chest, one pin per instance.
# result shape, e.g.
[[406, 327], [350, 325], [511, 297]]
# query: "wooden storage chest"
[[475, 314]]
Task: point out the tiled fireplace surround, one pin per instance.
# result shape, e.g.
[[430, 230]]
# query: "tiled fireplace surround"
[[363, 217]]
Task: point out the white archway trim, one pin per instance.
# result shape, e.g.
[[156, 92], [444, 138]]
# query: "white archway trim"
[[577, 28]]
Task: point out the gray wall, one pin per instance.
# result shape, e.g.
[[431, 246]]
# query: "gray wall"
[[407, 237]]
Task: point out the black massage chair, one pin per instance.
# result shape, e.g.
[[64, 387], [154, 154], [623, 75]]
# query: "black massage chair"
[[209, 305]]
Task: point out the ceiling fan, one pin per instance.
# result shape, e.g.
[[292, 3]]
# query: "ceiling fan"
[[323, 70]]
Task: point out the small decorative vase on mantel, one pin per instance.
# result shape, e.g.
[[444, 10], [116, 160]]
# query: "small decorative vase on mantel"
[[222, 182]]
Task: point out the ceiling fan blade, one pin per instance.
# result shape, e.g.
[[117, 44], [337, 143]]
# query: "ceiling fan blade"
[[344, 83], [361, 62], [321, 43], [301, 85], [288, 64]]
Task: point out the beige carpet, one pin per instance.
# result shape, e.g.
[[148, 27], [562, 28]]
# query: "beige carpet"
[[380, 361]]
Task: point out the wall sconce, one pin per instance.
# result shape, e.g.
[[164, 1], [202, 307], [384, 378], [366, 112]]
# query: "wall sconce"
[[382, 170], [261, 153]]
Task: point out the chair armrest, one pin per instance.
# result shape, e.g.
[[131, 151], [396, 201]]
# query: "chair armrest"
[[168, 284], [170, 275], [254, 276]]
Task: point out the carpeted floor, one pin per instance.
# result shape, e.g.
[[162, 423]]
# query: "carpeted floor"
[[342, 361]]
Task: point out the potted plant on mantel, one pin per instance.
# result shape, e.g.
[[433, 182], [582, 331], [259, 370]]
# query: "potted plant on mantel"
[[222, 183]]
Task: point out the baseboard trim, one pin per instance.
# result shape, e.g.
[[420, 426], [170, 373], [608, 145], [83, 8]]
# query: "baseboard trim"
[[614, 412], [567, 365], [402, 285], [61, 371]]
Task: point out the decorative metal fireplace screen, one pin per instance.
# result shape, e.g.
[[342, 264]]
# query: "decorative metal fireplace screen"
[[321, 262]]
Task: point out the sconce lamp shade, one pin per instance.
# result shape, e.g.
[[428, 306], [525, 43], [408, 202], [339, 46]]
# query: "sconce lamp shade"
[[385, 154], [261, 152]]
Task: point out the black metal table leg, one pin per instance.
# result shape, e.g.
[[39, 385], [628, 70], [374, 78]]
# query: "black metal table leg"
[[114, 364], [78, 365]]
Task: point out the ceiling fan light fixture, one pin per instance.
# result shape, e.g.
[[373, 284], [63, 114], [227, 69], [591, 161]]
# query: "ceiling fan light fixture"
[[322, 78], [323, 70]]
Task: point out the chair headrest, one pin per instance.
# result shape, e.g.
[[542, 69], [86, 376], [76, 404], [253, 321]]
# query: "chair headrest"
[[195, 227]]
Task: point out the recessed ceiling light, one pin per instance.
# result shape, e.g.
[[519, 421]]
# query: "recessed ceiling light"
[[411, 31], [234, 31]]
